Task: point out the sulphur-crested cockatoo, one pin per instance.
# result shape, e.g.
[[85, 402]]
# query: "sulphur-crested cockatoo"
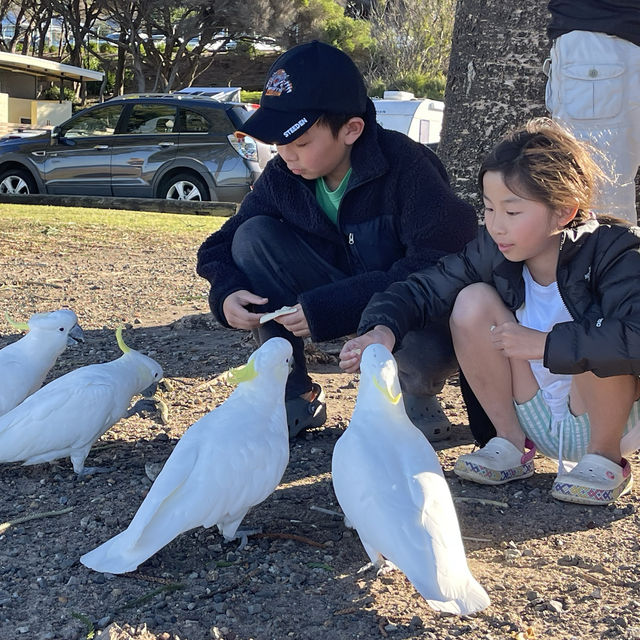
[[228, 461], [391, 488], [65, 417], [25, 363]]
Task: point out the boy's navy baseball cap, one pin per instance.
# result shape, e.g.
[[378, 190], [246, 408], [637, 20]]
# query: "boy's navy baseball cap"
[[304, 83]]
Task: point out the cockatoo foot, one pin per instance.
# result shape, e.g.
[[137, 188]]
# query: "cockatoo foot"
[[385, 568], [382, 567], [89, 471], [366, 567], [243, 536]]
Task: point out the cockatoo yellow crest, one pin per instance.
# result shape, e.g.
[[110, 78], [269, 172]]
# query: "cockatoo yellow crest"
[[228, 461], [242, 374], [18, 326], [390, 485], [24, 364]]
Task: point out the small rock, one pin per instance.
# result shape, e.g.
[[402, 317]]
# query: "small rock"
[[555, 606], [103, 622]]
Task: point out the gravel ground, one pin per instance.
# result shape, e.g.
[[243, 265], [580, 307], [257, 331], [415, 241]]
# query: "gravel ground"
[[552, 570]]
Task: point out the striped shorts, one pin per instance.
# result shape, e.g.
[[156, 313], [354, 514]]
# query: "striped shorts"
[[537, 423]]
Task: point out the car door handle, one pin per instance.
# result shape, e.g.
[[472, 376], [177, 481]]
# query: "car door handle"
[[166, 144], [40, 154], [101, 147]]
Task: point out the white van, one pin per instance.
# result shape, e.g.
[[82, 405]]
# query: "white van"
[[420, 119]]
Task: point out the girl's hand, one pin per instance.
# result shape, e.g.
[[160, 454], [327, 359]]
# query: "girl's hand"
[[295, 322], [518, 342], [352, 351]]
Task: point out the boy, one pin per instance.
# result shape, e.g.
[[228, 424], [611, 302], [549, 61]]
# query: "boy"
[[345, 209]]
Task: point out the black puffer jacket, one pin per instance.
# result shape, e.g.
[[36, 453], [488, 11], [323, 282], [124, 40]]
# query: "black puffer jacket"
[[397, 216], [598, 278]]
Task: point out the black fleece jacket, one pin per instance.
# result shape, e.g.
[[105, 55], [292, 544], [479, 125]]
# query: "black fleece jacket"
[[398, 215], [597, 277]]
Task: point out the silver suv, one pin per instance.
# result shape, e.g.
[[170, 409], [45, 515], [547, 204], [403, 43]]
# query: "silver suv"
[[157, 146]]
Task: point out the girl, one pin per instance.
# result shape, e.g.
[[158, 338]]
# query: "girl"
[[544, 310]]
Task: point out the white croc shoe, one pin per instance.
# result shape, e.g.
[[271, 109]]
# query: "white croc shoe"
[[498, 462], [594, 480]]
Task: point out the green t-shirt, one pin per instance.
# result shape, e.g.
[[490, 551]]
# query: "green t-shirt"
[[328, 200]]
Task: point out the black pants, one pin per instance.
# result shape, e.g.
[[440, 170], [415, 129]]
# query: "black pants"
[[279, 264]]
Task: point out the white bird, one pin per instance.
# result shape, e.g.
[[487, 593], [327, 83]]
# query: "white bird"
[[390, 485], [24, 364], [228, 461], [65, 417]]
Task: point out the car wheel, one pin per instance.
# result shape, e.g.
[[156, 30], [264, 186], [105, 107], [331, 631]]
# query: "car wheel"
[[17, 182], [184, 186]]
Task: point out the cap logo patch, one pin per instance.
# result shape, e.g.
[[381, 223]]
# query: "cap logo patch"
[[278, 84]]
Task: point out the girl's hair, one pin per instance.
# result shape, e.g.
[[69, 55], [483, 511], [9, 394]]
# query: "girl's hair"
[[542, 161]]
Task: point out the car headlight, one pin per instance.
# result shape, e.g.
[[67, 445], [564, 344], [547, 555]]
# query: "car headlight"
[[245, 146]]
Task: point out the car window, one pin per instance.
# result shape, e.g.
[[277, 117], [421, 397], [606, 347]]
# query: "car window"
[[151, 118], [97, 122], [215, 121], [193, 122]]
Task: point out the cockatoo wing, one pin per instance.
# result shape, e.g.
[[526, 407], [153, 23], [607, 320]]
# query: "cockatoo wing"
[[19, 378], [223, 465], [405, 513], [67, 414]]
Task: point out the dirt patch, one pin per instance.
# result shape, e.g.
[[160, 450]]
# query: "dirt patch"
[[552, 570]]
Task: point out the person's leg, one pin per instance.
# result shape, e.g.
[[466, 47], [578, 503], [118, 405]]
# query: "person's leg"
[[602, 475], [607, 401], [494, 379], [279, 266], [425, 360], [496, 382]]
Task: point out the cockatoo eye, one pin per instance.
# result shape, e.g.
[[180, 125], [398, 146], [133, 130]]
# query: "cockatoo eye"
[[61, 329]]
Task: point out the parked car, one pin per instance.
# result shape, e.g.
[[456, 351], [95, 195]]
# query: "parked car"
[[182, 147]]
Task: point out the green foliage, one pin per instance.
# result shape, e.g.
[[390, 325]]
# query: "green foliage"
[[91, 632], [30, 219], [325, 20], [422, 85], [250, 96], [412, 42], [53, 93]]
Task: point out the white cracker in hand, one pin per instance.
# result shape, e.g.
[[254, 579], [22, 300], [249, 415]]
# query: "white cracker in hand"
[[283, 311]]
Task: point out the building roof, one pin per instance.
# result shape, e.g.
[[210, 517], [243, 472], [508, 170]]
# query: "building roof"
[[46, 68]]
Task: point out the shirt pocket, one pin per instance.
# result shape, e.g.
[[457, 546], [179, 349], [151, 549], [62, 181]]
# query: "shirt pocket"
[[593, 90]]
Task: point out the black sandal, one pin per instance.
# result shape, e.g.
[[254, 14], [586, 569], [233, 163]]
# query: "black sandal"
[[302, 414]]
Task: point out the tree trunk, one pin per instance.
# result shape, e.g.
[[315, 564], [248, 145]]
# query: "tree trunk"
[[495, 82]]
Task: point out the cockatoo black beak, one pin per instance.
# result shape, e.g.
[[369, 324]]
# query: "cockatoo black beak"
[[75, 335], [150, 391]]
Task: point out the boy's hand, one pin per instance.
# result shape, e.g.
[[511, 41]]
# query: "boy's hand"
[[295, 322], [518, 342], [234, 309], [352, 351]]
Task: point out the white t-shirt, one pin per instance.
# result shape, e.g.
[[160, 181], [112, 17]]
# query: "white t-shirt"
[[542, 309]]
